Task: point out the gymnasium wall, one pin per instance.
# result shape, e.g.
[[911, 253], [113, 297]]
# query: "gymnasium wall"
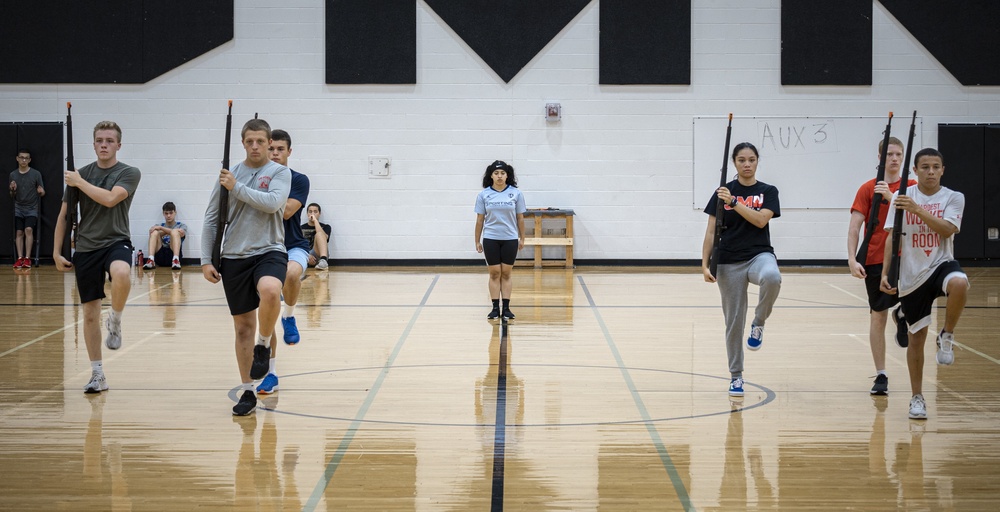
[[621, 156]]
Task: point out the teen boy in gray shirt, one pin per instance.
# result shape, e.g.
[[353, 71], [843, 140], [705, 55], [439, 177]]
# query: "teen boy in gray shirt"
[[254, 260]]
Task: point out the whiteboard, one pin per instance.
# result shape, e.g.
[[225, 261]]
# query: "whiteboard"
[[816, 162]]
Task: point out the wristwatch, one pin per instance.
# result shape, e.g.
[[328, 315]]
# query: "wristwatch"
[[732, 202]]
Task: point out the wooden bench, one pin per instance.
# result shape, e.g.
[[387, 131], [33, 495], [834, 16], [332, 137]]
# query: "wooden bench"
[[538, 240]]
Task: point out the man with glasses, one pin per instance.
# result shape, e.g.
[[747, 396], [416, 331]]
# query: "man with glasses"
[[26, 189]]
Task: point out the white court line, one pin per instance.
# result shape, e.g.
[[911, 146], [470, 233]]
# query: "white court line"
[[74, 324], [115, 354], [61, 388], [930, 380], [860, 299]]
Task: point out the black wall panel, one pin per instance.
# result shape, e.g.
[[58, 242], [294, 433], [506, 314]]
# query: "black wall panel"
[[991, 182], [963, 150], [106, 41], [371, 42], [176, 31], [963, 36], [507, 34], [826, 43], [645, 42]]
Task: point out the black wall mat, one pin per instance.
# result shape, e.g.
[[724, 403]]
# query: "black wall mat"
[[177, 31], [826, 43], [110, 41], [507, 34], [963, 147], [45, 142], [645, 42], [962, 36], [371, 42], [991, 182]]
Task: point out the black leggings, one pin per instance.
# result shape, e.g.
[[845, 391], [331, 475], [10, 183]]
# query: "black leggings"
[[500, 251]]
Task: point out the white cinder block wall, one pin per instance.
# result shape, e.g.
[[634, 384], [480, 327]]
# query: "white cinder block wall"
[[621, 156]]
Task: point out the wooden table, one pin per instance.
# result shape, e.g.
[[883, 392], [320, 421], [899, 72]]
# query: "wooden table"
[[538, 240]]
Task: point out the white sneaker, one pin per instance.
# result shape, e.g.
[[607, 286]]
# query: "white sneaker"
[[918, 408], [97, 383], [114, 339], [175, 264], [322, 265], [945, 351]]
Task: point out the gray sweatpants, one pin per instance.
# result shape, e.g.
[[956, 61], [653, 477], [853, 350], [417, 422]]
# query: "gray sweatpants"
[[733, 280]]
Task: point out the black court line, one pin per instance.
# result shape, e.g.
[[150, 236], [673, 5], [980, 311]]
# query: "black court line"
[[500, 434]]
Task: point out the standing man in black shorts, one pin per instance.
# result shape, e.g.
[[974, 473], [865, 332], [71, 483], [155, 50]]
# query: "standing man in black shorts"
[[879, 302], [105, 189], [927, 266], [254, 260]]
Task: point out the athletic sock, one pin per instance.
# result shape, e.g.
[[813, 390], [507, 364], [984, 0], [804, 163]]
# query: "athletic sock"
[[506, 303], [115, 316], [288, 311], [272, 366], [248, 386], [496, 303], [881, 372], [97, 367], [265, 341]]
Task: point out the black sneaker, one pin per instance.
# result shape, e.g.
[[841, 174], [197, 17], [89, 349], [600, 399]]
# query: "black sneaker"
[[507, 314], [261, 360], [493, 314], [902, 338], [248, 402], [881, 386]]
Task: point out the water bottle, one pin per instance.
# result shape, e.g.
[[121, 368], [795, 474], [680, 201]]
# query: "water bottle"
[[140, 260]]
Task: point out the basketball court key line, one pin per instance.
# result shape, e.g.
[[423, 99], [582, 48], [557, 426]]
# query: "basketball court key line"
[[331, 467]]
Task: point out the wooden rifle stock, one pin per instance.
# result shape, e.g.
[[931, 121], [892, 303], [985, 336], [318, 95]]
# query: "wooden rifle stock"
[[897, 223], [223, 218], [720, 207], [72, 193], [862, 255]]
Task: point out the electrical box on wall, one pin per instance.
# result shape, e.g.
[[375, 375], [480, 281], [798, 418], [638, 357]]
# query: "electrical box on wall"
[[378, 166], [553, 112]]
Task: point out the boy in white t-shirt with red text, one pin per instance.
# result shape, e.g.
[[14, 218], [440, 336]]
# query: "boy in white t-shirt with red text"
[[927, 267]]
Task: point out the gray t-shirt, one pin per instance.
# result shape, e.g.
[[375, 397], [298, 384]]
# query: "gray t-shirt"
[[26, 197], [100, 226], [256, 208], [500, 210]]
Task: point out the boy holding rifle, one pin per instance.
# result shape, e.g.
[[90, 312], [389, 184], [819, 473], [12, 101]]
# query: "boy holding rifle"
[[105, 189], [927, 267], [879, 302], [253, 257]]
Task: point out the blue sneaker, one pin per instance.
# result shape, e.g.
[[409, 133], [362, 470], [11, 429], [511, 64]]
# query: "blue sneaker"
[[736, 386], [268, 385], [291, 330], [756, 337]]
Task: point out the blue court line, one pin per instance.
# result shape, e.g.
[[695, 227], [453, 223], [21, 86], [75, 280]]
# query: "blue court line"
[[668, 464], [500, 434], [331, 467]]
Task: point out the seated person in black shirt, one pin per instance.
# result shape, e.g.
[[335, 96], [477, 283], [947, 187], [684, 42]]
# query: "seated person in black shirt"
[[319, 239]]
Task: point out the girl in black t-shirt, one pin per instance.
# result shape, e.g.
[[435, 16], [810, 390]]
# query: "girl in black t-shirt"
[[745, 256]]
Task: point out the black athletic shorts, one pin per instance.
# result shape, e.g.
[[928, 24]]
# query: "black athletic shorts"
[[92, 266], [500, 251], [877, 299], [917, 304], [240, 277], [165, 256], [20, 223]]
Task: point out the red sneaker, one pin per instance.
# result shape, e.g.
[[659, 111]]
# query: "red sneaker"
[[19, 263], [27, 263]]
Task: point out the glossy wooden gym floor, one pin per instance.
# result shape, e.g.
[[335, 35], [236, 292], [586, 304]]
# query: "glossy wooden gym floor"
[[607, 392]]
